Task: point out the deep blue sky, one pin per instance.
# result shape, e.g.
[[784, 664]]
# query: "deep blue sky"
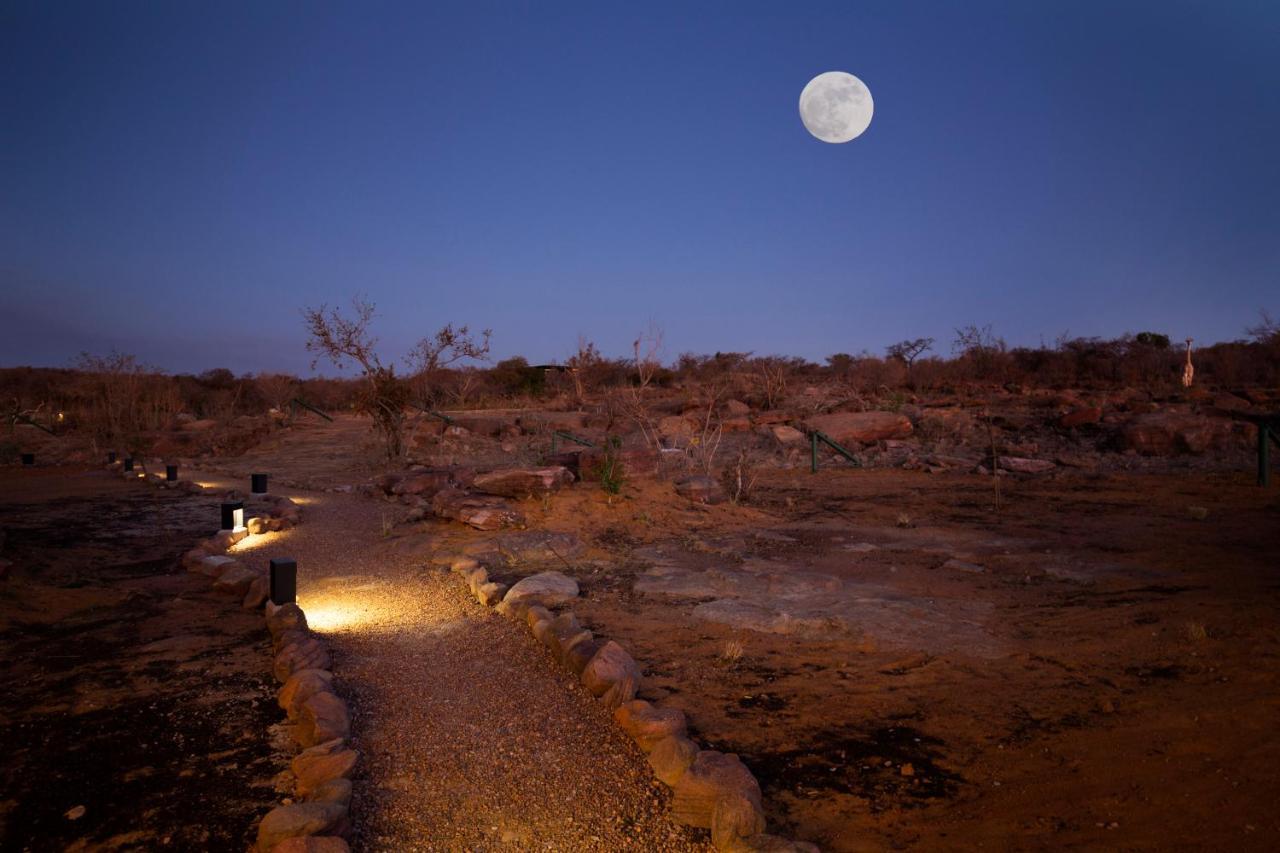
[[177, 179]]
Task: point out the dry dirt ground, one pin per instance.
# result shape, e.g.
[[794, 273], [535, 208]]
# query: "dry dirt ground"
[[904, 666], [1092, 666], [136, 705]]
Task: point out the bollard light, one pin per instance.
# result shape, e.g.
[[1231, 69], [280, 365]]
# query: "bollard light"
[[28, 459], [128, 463], [111, 457], [258, 484], [233, 515], [284, 581], [171, 473]]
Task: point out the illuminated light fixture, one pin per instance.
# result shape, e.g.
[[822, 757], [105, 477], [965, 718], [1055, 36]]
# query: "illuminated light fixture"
[[28, 459], [128, 463], [258, 484], [233, 515], [111, 457], [171, 473], [61, 417], [284, 581]]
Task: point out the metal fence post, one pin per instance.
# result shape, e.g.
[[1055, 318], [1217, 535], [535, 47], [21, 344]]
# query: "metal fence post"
[[1264, 454]]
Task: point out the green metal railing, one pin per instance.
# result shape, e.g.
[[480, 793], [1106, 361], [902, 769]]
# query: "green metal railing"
[[567, 436], [816, 438], [297, 401], [1268, 433], [18, 416], [1265, 437]]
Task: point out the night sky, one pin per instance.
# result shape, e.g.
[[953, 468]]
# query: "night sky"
[[177, 180]]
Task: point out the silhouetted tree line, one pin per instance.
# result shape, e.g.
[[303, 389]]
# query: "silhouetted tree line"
[[114, 397]]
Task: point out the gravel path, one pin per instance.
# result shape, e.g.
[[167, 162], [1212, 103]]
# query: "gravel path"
[[473, 738]]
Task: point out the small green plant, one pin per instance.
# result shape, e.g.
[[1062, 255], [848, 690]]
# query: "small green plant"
[[612, 474]]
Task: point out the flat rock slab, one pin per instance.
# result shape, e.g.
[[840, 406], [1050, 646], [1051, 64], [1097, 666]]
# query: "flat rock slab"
[[757, 617], [537, 546], [482, 512], [523, 482]]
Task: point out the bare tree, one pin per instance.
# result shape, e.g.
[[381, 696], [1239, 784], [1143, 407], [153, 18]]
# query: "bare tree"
[[648, 350], [277, 389], [1267, 331], [980, 347], [583, 365], [344, 340], [908, 351], [772, 373], [447, 347], [118, 381]]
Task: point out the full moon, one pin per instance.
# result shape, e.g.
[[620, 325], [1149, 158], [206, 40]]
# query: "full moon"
[[836, 106]]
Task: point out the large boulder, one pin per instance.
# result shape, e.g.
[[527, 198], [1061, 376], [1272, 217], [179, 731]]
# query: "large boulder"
[[861, 427], [522, 482], [1169, 433], [421, 484], [479, 511], [548, 589]]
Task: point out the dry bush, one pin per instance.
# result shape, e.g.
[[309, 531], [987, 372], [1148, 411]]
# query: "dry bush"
[[731, 653], [346, 339], [739, 477]]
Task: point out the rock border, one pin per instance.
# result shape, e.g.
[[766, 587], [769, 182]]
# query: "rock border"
[[316, 819], [711, 790]]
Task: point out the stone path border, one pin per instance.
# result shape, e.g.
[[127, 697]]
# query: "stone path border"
[[315, 819], [711, 790]]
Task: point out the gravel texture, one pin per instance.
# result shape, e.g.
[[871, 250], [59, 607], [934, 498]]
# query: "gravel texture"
[[472, 736]]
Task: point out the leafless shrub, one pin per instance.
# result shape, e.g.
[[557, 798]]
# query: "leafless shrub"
[[740, 476], [647, 348]]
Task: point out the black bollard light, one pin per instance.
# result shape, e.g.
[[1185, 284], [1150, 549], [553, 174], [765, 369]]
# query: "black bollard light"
[[111, 457], [284, 581], [28, 459], [128, 463], [171, 473], [233, 515], [258, 484]]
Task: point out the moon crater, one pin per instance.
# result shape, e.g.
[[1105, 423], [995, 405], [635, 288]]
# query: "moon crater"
[[836, 107]]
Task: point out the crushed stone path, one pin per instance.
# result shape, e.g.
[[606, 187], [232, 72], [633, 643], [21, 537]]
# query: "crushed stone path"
[[472, 737]]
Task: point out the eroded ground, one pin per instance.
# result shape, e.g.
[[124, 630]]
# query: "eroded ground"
[[135, 703]]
